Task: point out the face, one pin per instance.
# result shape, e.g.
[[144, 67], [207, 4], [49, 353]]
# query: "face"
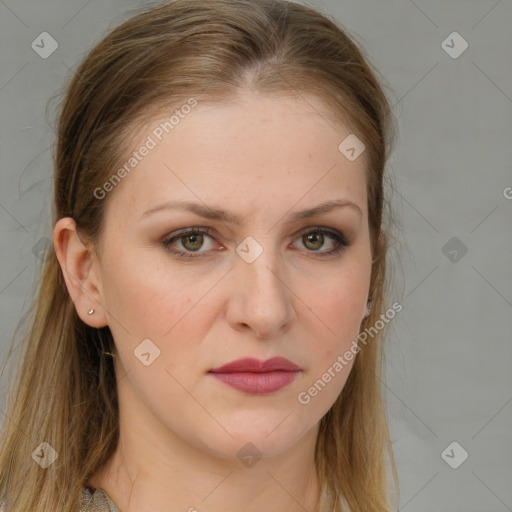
[[185, 293]]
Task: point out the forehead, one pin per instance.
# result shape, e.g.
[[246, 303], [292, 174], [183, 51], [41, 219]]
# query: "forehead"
[[252, 148]]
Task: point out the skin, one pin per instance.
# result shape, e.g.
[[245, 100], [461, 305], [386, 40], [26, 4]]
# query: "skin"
[[263, 158]]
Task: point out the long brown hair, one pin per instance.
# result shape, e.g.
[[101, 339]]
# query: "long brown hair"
[[65, 391]]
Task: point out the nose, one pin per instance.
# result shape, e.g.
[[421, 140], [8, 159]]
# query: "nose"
[[261, 299]]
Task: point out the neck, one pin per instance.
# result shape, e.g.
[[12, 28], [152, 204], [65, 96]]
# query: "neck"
[[154, 468], [281, 483]]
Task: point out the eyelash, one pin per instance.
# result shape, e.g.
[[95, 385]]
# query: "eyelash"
[[341, 243]]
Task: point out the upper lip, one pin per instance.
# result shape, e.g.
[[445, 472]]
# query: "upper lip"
[[257, 366]]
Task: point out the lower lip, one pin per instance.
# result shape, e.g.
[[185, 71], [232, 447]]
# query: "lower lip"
[[257, 383]]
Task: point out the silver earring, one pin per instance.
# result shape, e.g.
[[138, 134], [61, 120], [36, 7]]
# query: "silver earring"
[[91, 311], [368, 308]]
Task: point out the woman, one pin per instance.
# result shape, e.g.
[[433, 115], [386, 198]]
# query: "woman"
[[206, 334]]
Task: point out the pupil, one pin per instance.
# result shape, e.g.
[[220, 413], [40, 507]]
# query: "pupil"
[[319, 238], [195, 242]]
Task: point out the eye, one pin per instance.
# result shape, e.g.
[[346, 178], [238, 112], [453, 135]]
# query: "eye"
[[192, 240], [314, 239]]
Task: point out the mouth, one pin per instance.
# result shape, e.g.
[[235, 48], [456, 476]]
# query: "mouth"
[[256, 377]]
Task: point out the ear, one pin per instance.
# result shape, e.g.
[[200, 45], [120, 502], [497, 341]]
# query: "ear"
[[80, 270]]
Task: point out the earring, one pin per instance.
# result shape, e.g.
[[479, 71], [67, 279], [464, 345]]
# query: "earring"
[[368, 308], [91, 311]]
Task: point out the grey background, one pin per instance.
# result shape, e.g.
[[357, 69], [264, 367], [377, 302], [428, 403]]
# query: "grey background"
[[449, 351]]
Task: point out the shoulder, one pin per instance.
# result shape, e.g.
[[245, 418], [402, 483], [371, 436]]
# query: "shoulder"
[[95, 500], [91, 500]]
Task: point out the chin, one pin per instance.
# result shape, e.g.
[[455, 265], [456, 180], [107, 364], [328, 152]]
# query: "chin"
[[266, 439]]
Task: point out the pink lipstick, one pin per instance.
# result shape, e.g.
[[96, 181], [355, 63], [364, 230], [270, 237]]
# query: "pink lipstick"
[[257, 377]]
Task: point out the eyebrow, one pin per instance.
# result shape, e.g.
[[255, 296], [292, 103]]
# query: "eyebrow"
[[216, 213]]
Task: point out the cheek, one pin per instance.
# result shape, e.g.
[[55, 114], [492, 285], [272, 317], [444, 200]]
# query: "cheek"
[[340, 307], [146, 299]]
